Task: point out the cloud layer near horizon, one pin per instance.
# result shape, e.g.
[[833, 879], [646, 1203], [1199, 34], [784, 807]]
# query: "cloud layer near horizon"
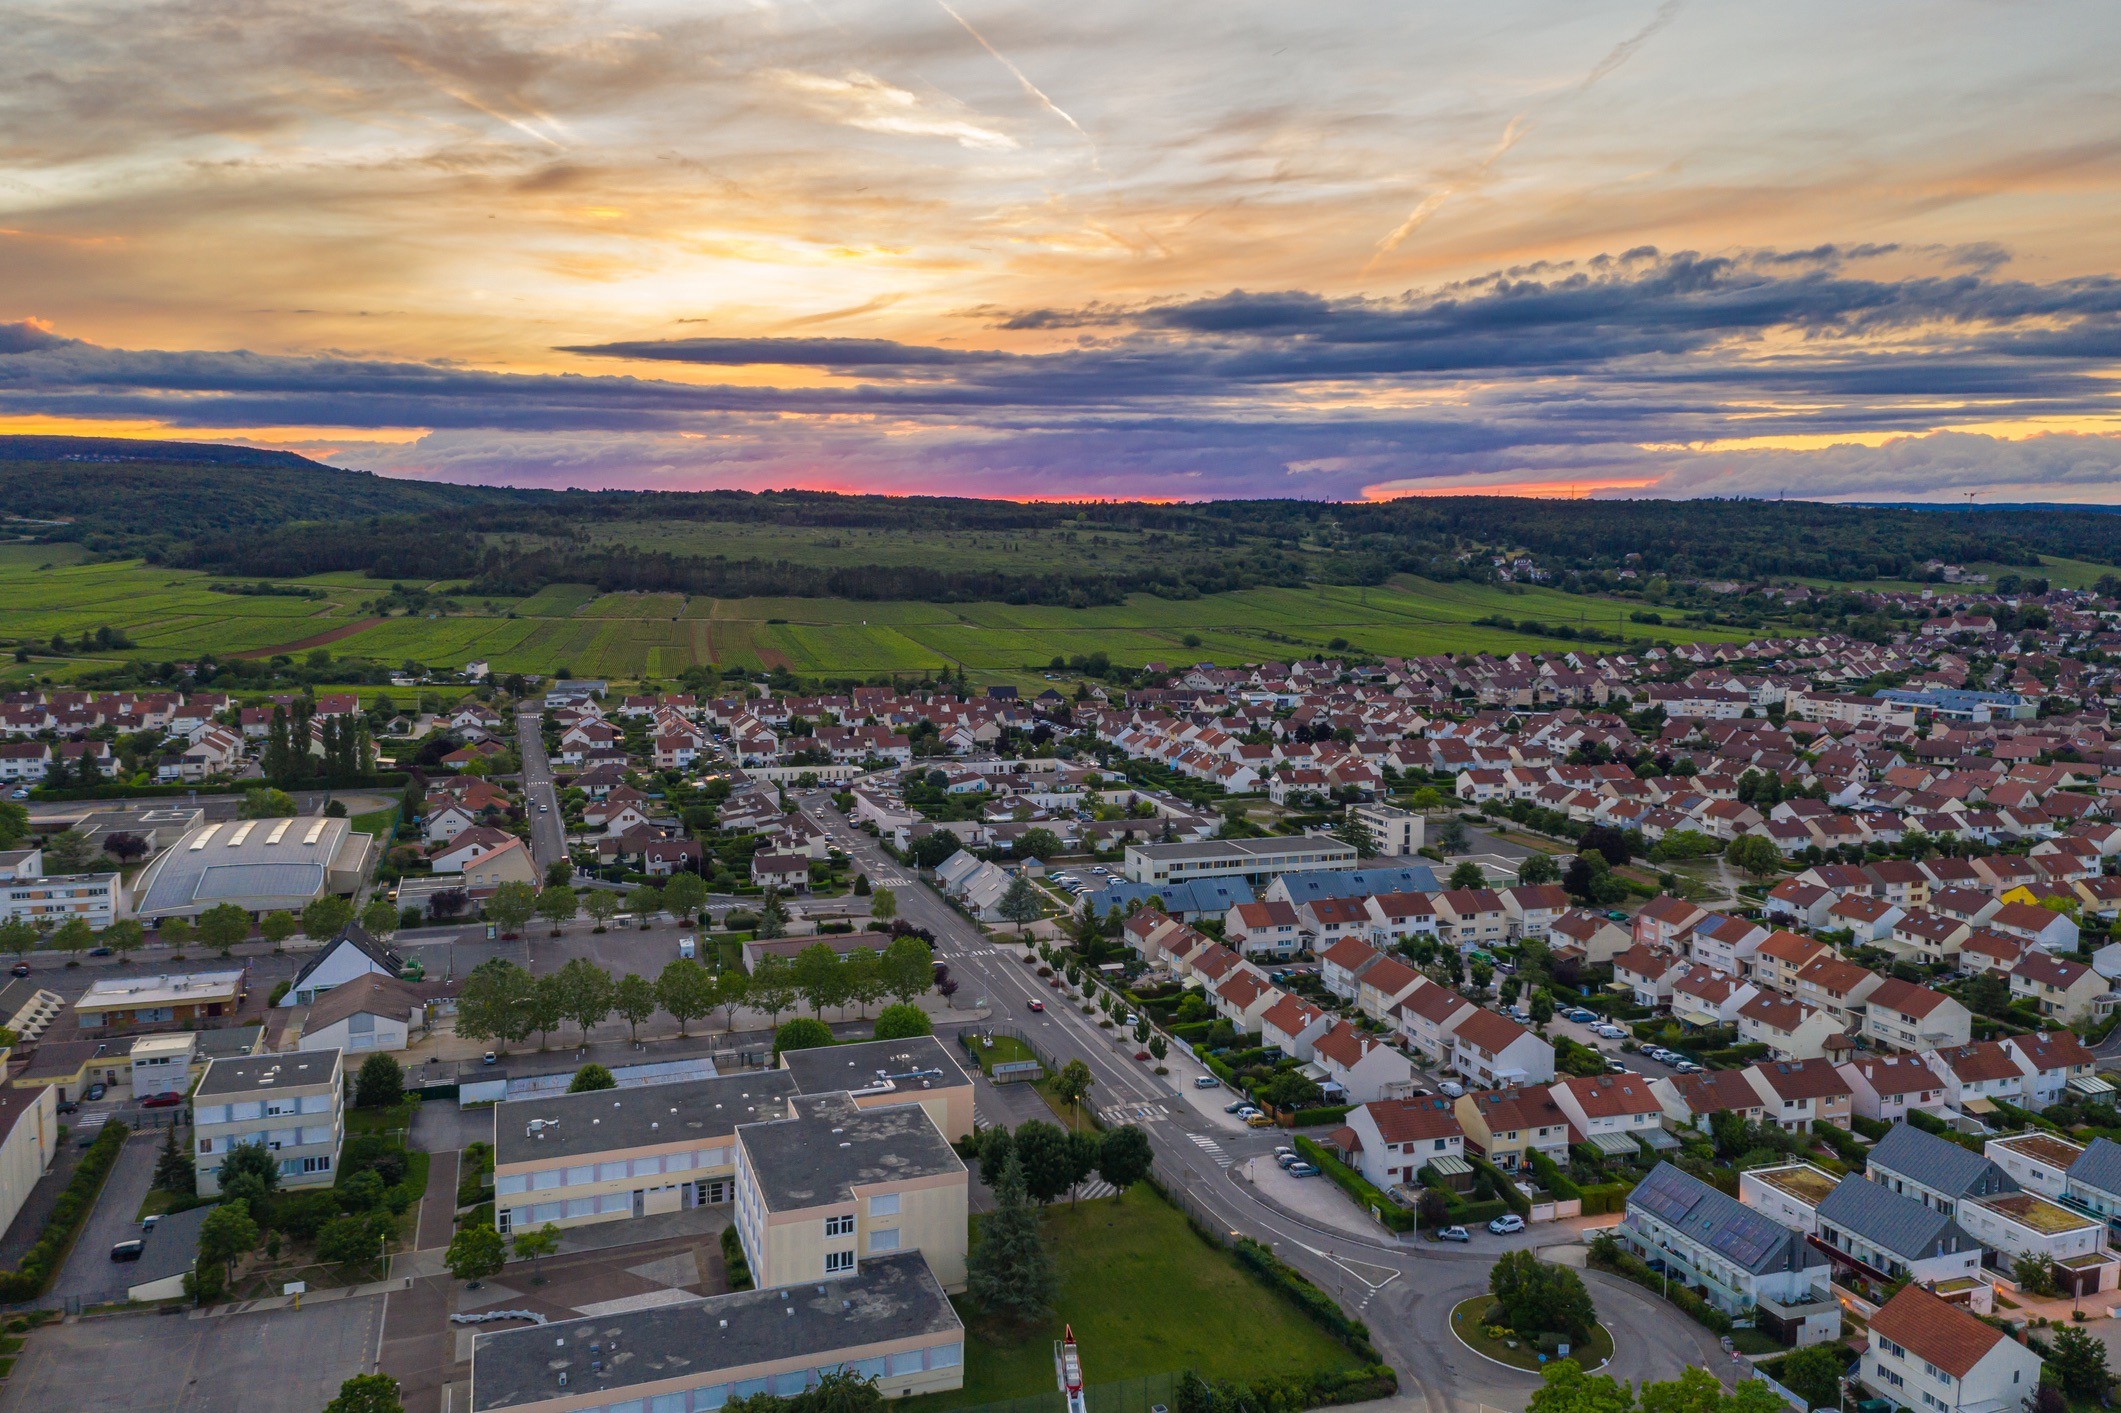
[[1118, 251]]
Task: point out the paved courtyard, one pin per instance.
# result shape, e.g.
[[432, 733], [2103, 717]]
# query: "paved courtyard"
[[272, 1361]]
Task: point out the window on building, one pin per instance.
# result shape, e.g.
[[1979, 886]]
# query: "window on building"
[[838, 1261], [884, 1205], [885, 1240], [840, 1225]]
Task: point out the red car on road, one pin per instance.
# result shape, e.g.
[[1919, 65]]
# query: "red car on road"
[[162, 1101], [1037, 1005]]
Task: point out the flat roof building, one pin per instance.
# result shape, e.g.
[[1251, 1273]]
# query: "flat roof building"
[[258, 864], [887, 1320], [161, 1002], [875, 1073], [1256, 860], [292, 1103], [834, 1184]]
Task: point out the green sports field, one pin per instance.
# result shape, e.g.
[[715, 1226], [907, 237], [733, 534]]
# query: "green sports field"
[[175, 614]]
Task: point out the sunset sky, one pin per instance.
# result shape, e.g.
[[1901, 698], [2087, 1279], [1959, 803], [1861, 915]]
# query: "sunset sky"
[[1332, 249]]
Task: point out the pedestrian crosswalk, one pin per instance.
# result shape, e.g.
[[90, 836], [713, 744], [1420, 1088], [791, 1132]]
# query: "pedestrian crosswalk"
[[889, 881], [1209, 1146], [1133, 1113], [1094, 1187]]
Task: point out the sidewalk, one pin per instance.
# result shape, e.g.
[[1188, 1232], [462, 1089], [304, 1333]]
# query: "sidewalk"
[[315, 1297]]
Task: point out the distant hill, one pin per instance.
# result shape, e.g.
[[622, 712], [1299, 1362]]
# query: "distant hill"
[[244, 511]]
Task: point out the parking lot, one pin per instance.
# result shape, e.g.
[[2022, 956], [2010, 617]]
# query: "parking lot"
[[271, 1361]]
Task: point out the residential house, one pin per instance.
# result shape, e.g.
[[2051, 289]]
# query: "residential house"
[[1795, 1093], [1790, 1029], [1887, 1088], [1593, 935], [2051, 1062], [1507, 1125], [1360, 1068], [1613, 1113], [1292, 1024], [1888, 1236], [1935, 1171], [1428, 1018], [1900, 1015], [1263, 929], [1663, 920], [1925, 1352], [2049, 931], [1737, 1257], [2064, 991], [1646, 975], [1396, 1138], [1978, 1076], [1495, 1052]]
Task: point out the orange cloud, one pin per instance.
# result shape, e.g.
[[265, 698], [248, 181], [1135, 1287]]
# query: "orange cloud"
[[1530, 490]]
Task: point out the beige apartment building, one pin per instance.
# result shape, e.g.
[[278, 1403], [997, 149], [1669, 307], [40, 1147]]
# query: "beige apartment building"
[[880, 1073], [571, 1159], [835, 1183], [292, 1103]]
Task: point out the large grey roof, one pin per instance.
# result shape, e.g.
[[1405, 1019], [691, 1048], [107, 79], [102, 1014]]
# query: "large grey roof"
[[172, 1248], [1245, 848], [1194, 896], [886, 1299], [2099, 1166], [1939, 1164], [1747, 1239], [830, 1147], [1892, 1221], [911, 1065], [262, 1074], [604, 1120], [269, 860]]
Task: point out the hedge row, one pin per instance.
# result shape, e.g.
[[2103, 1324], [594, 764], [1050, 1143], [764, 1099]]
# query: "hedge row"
[[1552, 1178], [1294, 1286], [1505, 1190], [1320, 1390], [1394, 1216], [1699, 1310], [1847, 1147], [1330, 1114], [1606, 1197], [44, 1257], [733, 1262], [1872, 1129]]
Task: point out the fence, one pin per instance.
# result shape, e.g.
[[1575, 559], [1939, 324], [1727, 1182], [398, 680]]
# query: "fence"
[[1120, 1396]]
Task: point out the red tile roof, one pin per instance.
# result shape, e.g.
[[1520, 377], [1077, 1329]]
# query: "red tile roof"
[[1936, 1330]]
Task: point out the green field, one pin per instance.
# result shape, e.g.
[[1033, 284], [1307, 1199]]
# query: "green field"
[[175, 614], [1146, 1296]]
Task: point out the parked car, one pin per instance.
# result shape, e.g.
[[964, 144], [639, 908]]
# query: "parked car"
[[1506, 1223], [128, 1250], [1454, 1234], [1141, 1054], [1205, 1081], [1613, 1066], [1283, 1148], [68, 1106], [94, 1092], [491, 1058], [1255, 1119], [99, 952], [19, 969], [1612, 1032], [1451, 1089], [168, 1100], [1581, 1016], [1302, 1170], [1686, 1067], [1239, 1107], [147, 1223], [1037, 1005]]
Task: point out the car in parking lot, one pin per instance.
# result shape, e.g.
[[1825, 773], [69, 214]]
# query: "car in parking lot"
[[1207, 1081], [128, 1250], [1451, 1089], [1454, 1234], [1611, 1032], [1256, 1119], [169, 1099], [1579, 1015], [94, 1092], [1613, 1066], [1302, 1170], [19, 969], [1507, 1223], [1238, 1108]]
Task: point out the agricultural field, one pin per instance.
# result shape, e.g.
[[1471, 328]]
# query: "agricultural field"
[[173, 614]]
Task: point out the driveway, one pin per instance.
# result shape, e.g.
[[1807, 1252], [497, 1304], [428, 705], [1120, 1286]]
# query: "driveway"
[[89, 1273], [270, 1361]]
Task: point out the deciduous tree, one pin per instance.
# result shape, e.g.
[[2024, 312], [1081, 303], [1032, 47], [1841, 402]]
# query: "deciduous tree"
[[634, 1000]]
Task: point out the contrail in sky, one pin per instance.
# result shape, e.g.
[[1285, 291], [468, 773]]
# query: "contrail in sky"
[[1029, 87], [1433, 202], [1625, 49]]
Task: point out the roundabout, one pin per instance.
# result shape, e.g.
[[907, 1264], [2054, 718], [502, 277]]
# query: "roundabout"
[[1470, 1322]]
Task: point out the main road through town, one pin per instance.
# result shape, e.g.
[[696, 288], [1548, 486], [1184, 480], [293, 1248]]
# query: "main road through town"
[[548, 836], [1403, 1290]]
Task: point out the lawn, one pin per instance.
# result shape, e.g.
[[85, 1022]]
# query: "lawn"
[[1000, 1050], [1469, 1321], [1146, 1295]]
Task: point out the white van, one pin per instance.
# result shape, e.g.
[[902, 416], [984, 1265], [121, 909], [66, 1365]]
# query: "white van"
[[686, 947]]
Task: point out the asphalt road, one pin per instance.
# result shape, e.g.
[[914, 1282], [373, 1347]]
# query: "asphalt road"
[[1405, 1291], [89, 1272], [548, 836]]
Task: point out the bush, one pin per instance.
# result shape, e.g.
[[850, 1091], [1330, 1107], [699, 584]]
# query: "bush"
[[733, 1260], [1504, 1190], [1331, 1114], [802, 1033], [902, 1022], [1606, 1197], [1294, 1286], [1607, 1255], [1394, 1216], [1552, 1178], [41, 1262]]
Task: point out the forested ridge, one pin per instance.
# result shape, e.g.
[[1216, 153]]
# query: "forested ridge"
[[242, 511]]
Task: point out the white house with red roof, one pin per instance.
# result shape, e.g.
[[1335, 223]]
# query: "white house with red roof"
[[1292, 1025], [1924, 1352], [1428, 1018], [1395, 1138], [1888, 1088], [1361, 1067], [1265, 929], [1495, 1052], [2049, 1063]]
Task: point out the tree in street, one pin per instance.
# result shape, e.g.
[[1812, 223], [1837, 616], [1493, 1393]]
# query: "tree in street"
[[326, 917], [1009, 1273], [645, 902], [495, 1002], [732, 987], [1042, 1148], [536, 1245], [772, 986], [227, 1235], [773, 916], [380, 918], [903, 1022], [590, 1078], [1020, 903], [587, 994], [223, 926], [908, 968], [602, 905], [1124, 1157], [1538, 868], [684, 989], [1542, 1009], [1073, 1083], [557, 904], [802, 1033], [546, 1006], [475, 1253], [883, 905], [75, 936], [367, 1393], [1755, 853], [19, 936], [634, 1000], [2077, 1364], [511, 905], [684, 895], [380, 1084]]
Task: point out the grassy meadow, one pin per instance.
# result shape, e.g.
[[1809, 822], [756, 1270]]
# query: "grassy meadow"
[[175, 614]]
